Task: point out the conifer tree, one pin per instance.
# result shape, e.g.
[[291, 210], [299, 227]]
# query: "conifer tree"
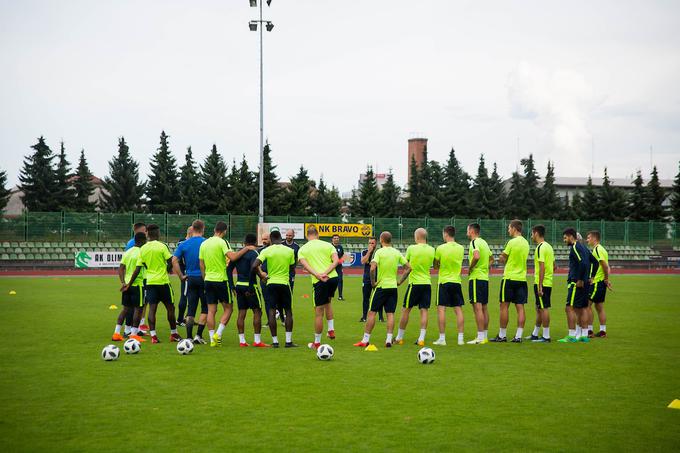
[[38, 180], [274, 202], [123, 191], [189, 184], [588, 199], [162, 188], [612, 201], [675, 198], [532, 193], [83, 188], [550, 206], [298, 195], [214, 185], [4, 191], [497, 201], [655, 198], [369, 196], [456, 188], [389, 198], [482, 193], [637, 199], [517, 209], [65, 196]]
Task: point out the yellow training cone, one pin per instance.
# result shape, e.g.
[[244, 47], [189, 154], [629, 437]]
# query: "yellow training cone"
[[12, 293], [371, 348], [675, 404], [113, 307]]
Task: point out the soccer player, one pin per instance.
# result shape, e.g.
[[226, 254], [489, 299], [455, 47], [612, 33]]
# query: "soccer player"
[[290, 242], [341, 252], [544, 266], [599, 285], [320, 259], [384, 273], [182, 306], [188, 251], [420, 257], [479, 259], [366, 288], [213, 255], [279, 260], [247, 292], [155, 257], [577, 299], [139, 227], [263, 284], [133, 290], [448, 258], [514, 284]]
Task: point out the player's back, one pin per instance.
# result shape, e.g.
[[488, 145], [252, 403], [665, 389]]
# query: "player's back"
[[279, 258], [319, 255], [517, 250], [481, 269], [243, 267], [450, 258], [600, 254], [129, 260], [388, 260], [189, 251], [545, 254], [154, 256], [420, 257], [213, 252]]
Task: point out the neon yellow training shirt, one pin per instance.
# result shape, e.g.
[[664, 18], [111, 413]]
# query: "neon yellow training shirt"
[[319, 255], [450, 257], [517, 250], [600, 254], [420, 257], [544, 254], [213, 252], [481, 270], [129, 260], [388, 260], [279, 258], [154, 255]]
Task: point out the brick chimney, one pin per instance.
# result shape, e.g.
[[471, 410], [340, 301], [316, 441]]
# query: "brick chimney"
[[416, 149]]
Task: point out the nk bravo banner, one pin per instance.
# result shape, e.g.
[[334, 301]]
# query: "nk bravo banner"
[[361, 230], [97, 259]]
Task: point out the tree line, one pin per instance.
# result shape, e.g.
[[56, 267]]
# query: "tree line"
[[49, 183]]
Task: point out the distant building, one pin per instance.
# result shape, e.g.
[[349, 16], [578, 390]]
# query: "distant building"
[[380, 179], [417, 147], [15, 205]]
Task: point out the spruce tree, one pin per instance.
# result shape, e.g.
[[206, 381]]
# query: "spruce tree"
[[83, 187], [482, 193], [65, 195], [369, 195], [389, 198], [235, 195], [298, 195], [550, 206], [577, 208], [4, 191], [412, 206], [637, 200], [38, 180], [432, 198], [655, 198], [326, 201], [213, 185], [123, 191], [497, 197], [516, 207], [456, 189], [588, 202], [532, 193], [675, 198], [274, 202], [567, 210], [612, 201], [353, 203], [162, 188], [189, 184], [248, 184]]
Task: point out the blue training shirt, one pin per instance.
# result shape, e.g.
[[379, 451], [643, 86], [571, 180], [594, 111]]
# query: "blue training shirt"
[[130, 244], [579, 263], [188, 251]]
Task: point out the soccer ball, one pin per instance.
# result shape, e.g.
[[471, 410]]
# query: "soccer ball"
[[426, 356], [325, 352], [185, 347], [132, 346], [110, 352]]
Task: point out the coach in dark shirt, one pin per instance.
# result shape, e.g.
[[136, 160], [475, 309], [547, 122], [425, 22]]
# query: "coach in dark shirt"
[[341, 252], [289, 242]]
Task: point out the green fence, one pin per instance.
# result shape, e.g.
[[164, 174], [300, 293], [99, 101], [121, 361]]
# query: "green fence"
[[107, 227]]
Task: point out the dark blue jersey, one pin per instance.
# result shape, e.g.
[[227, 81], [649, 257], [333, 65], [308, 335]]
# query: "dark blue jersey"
[[579, 263], [341, 252], [242, 266], [367, 267], [296, 249]]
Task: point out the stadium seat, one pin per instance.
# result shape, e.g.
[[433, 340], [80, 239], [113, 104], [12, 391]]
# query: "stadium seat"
[[6, 245], [29, 244], [54, 256], [101, 245], [17, 250], [62, 256], [21, 256], [29, 256], [4, 256], [108, 244], [14, 244], [13, 256], [42, 250]]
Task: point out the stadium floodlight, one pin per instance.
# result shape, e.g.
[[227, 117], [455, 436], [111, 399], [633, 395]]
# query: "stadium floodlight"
[[253, 3], [270, 26], [269, 2], [252, 25]]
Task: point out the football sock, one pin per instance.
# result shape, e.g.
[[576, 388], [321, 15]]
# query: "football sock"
[[220, 329], [241, 338], [461, 337], [199, 332], [275, 339], [389, 338], [442, 337], [118, 327], [572, 332], [578, 331], [289, 337], [330, 324], [400, 334], [421, 337], [257, 338], [317, 338], [190, 327], [535, 332], [480, 335], [486, 334], [590, 327], [211, 333], [173, 331], [502, 333], [546, 332], [603, 327], [141, 322], [135, 331], [153, 333], [127, 330], [367, 338], [519, 332]]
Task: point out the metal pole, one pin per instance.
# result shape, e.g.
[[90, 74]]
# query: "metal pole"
[[261, 206]]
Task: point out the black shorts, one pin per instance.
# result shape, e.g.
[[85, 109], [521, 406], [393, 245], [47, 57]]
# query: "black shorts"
[[133, 297], [195, 291], [478, 291], [280, 296], [324, 291], [514, 291], [544, 300], [420, 295], [248, 297], [577, 297], [597, 292], [158, 293], [384, 298], [217, 292], [450, 295]]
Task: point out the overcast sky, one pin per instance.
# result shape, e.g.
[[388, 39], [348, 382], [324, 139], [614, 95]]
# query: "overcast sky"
[[347, 82]]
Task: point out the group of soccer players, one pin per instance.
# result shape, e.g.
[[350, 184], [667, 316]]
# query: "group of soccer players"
[[265, 277]]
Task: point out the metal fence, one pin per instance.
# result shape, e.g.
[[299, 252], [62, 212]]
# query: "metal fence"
[[108, 227]]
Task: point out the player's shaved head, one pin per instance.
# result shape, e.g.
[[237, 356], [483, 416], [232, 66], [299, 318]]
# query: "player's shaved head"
[[420, 235], [385, 237], [265, 238], [290, 235]]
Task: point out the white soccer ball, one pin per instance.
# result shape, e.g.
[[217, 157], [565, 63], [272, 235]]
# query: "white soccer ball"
[[426, 356], [185, 347], [325, 352], [132, 346], [110, 352]]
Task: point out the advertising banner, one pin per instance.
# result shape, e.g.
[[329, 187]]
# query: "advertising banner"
[[96, 259], [299, 229], [344, 230]]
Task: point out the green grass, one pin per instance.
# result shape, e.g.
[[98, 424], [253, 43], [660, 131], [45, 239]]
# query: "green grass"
[[57, 394]]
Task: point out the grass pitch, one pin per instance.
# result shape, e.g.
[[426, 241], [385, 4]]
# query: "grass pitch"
[[57, 394]]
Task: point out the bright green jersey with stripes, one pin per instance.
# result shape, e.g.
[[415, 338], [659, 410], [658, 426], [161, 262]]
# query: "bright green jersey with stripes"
[[129, 260], [481, 269], [517, 250], [600, 254], [450, 258], [544, 254], [388, 260], [420, 257], [213, 252], [279, 259], [154, 256]]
